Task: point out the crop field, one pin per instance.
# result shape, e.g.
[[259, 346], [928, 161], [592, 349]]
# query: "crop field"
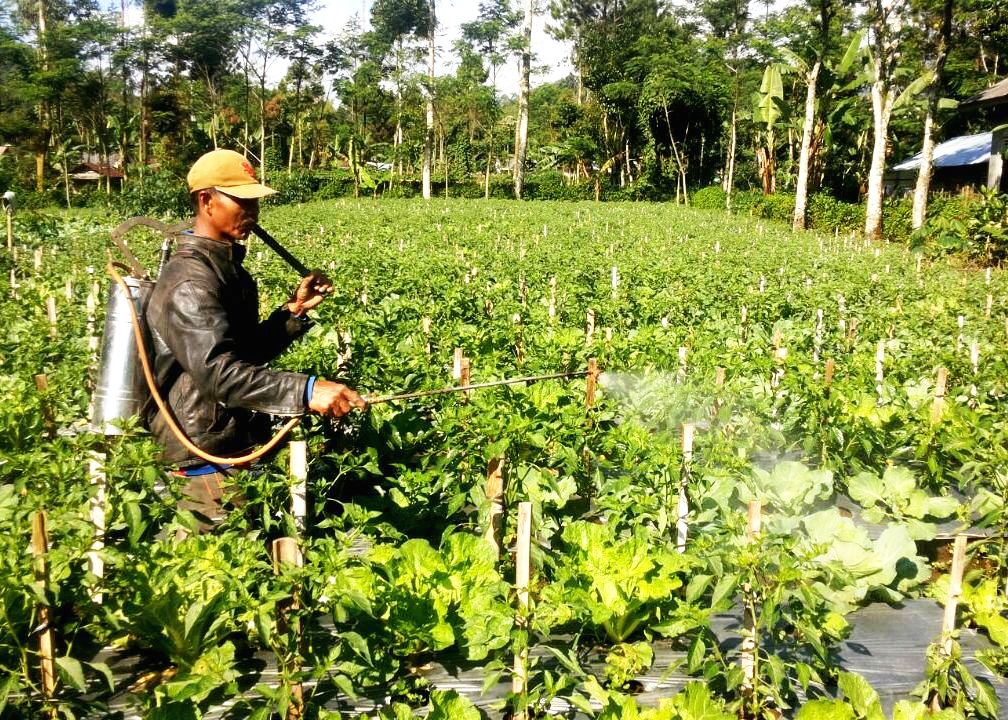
[[786, 429]]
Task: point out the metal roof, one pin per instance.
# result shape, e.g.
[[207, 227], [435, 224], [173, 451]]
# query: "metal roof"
[[957, 152], [994, 95]]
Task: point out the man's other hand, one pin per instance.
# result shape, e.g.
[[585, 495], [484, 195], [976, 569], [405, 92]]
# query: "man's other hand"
[[334, 399], [310, 292]]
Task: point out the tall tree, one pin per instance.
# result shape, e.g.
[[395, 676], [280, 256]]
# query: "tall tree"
[[490, 36], [428, 152], [521, 127], [937, 40], [886, 20], [825, 12], [394, 22], [727, 20]]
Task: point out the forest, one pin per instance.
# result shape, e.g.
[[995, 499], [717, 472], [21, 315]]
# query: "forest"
[[665, 99]]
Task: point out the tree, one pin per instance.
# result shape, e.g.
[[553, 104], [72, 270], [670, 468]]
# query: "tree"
[[885, 22], [490, 35], [395, 21], [937, 39], [521, 127], [727, 20]]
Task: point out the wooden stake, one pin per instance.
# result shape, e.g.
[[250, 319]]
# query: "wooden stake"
[[523, 544], [40, 547], [990, 305], [10, 230], [299, 482], [96, 477], [495, 494], [48, 417], [464, 379], [592, 381], [682, 513], [589, 326], [68, 290], [426, 325], [682, 364], [457, 365], [286, 552], [614, 281], [938, 405], [37, 259], [954, 591], [828, 375]]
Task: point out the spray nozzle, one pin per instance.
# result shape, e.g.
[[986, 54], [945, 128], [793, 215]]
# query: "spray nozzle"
[[8, 201]]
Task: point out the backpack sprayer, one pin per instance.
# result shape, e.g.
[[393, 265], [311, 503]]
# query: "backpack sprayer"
[[125, 379]]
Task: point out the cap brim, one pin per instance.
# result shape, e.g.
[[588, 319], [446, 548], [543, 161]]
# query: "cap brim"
[[246, 192]]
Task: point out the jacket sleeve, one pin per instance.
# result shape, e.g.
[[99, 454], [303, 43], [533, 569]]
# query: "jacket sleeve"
[[200, 337], [277, 332]]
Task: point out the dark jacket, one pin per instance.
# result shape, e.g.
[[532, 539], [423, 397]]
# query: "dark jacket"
[[210, 351]]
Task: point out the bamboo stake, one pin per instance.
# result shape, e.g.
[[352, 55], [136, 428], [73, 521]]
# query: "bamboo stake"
[[938, 405], [879, 369], [40, 547], [96, 565], [495, 494], [682, 513], [287, 553], [748, 652], [51, 312], [299, 482], [551, 311], [519, 680]]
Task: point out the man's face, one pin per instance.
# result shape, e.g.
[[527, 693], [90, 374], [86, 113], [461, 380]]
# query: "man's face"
[[229, 218]]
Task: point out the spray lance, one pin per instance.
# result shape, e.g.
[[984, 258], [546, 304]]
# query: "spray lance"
[[126, 379]]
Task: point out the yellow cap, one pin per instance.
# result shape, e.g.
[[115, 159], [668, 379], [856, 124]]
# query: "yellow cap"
[[229, 172]]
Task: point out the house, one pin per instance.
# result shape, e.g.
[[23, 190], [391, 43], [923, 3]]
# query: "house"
[[967, 161], [88, 172]]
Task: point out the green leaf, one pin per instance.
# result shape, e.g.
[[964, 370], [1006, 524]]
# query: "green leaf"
[[825, 710], [72, 672], [861, 695]]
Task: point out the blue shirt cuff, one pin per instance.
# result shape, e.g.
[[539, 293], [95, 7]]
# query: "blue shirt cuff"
[[309, 388]]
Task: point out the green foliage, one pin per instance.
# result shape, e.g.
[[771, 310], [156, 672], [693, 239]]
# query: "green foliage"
[[155, 193], [982, 235], [896, 495], [615, 583]]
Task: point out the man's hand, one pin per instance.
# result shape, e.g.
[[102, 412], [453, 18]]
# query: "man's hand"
[[334, 399], [313, 288]]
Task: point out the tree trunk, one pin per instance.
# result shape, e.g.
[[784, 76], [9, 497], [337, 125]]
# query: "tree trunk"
[[521, 128], [923, 187], [728, 183], [801, 188], [429, 134], [882, 105]]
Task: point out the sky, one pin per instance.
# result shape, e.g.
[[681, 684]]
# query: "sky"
[[551, 59]]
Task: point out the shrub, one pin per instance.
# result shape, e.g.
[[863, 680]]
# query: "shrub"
[[982, 234], [827, 214], [711, 197]]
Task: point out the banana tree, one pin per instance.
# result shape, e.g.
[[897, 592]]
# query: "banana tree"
[[769, 112]]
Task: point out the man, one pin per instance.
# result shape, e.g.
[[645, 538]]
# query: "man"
[[210, 348]]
